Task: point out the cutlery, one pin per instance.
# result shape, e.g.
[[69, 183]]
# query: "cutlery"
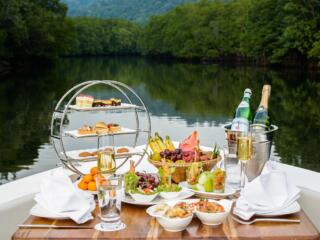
[[266, 220], [52, 226]]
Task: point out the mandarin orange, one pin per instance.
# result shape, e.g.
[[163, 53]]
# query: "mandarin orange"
[[87, 178], [92, 186], [94, 171], [83, 185]]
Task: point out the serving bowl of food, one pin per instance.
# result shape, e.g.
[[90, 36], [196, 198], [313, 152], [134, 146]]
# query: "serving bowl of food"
[[170, 191], [211, 212], [181, 158], [172, 216]]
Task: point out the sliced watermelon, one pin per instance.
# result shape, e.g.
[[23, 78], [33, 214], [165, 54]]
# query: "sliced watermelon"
[[190, 143]]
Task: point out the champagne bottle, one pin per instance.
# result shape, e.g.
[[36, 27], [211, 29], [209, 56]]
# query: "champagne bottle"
[[262, 117], [243, 115]]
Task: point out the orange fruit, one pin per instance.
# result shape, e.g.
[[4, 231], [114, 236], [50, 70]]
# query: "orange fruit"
[[83, 185], [94, 171], [92, 186], [87, 178]]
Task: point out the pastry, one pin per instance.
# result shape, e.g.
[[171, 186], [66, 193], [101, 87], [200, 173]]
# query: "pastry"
[[115, 101], [83, 101], [86, 130], [101, 127], [108, 149], [101, 103], [85, 154], [122, 150], [113, 127]]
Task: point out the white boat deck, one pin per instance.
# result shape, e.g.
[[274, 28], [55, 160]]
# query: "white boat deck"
[[17, 196]]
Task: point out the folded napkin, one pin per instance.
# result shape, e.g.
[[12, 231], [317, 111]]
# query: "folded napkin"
[[267, 193], [59, 196]]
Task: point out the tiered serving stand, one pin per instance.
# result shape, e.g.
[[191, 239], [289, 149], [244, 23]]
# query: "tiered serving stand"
[[130, 101]]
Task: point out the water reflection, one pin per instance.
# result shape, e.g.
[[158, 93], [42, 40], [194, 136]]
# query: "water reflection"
[[180, 97]]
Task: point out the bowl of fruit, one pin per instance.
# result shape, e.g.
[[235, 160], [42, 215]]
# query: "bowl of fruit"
[[182, 157]]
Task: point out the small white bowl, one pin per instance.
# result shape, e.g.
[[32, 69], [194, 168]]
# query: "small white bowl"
[[143, 198], [171, 224], [170, 195], [215, 218], [174, 224]]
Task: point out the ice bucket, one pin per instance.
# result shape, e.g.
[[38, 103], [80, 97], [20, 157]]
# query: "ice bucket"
[[261, 141]]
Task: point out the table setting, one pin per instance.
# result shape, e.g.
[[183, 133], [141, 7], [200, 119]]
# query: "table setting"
[[169, 190]]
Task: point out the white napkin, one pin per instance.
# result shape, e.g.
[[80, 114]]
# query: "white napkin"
[[267, 193], [59, 196]]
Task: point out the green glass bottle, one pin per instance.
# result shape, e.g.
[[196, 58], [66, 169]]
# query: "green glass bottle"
[[243, 115], [262, 118]]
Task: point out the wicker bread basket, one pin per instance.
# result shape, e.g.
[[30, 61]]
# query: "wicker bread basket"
[[179, 174]]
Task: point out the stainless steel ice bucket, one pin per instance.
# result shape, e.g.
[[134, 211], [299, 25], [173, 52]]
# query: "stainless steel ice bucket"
[[262, 142]]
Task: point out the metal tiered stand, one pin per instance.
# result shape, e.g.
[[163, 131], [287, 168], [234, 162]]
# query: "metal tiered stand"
[[64, 107]]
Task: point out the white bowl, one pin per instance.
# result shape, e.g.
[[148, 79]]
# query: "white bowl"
[[174, 224], [215, 218], [143, 198], [169, 195]]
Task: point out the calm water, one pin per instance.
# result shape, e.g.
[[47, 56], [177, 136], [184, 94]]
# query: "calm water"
[[180, 97]]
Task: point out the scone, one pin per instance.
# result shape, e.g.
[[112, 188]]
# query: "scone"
[[113, 127]]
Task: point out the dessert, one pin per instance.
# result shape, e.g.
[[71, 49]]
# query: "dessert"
[[107, 102], [83, 101], [122, 150], [86, 130], [113, 127], [101, 127], [85, 154]]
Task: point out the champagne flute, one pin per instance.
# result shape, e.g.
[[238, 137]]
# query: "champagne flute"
[[244, 152], [106, 156]]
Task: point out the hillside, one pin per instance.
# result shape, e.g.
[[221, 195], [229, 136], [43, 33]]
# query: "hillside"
[[135, 10]]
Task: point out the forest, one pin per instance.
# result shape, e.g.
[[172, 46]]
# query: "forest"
[[262, 32]]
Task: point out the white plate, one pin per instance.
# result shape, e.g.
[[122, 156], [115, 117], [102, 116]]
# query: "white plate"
[[293, 208], [228, 191], [39, 211], [183, 195], [75, 134], [122, 106], [75, 153]]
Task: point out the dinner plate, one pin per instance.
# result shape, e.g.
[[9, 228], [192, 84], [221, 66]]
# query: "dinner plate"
[[183, 195], [227, 192], [39, 211], [291, 209]]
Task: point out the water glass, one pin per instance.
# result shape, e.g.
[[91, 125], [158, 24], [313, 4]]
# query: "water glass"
[[232, 167], [110, 189]]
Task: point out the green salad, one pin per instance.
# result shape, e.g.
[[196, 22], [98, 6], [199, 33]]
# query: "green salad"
[[169, 188]]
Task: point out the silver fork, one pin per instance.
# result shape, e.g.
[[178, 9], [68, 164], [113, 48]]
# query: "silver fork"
[[266, 220]]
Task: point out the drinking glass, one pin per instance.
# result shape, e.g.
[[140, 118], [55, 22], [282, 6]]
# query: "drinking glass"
[[110, 188], [232, 166], [106, 155], [244, 152]]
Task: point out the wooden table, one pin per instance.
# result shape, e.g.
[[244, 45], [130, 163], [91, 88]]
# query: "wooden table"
[[141, 226]]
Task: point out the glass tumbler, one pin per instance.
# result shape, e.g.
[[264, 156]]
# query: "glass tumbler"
[[110, 189]]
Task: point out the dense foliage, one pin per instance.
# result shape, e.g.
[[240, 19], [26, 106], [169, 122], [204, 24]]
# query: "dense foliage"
[[133, 10], [261, 30], [102, 37], [33, 28]]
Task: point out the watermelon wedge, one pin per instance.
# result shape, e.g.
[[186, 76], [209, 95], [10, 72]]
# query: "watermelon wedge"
[[190, 143]]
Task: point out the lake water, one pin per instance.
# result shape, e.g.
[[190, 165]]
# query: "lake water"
[[180, 97]]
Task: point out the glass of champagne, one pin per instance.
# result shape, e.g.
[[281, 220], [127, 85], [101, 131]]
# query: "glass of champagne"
[[110, 188], [244, 152]]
